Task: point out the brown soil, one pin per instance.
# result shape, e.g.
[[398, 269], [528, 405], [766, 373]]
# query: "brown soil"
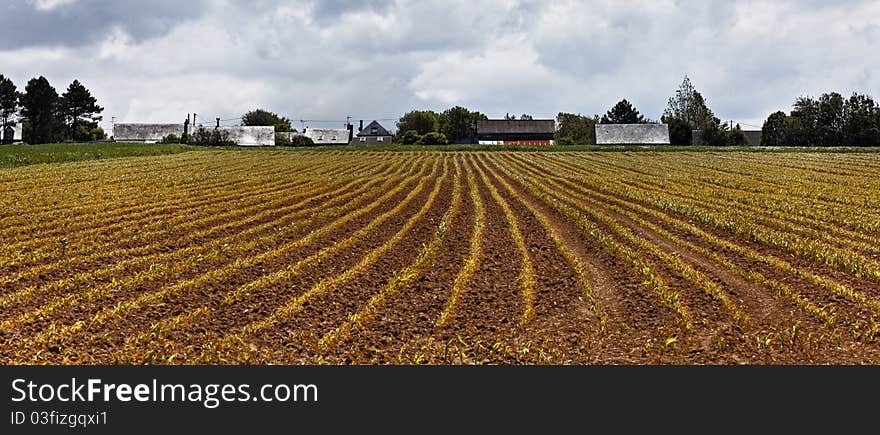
[[197, 326]]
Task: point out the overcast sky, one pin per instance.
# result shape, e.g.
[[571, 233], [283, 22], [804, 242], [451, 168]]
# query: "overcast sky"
[[155, 61]]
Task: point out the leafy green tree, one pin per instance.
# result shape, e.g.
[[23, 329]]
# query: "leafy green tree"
[[714, 134], [211, 137], [9, 98], [78, 106], [459, 124], [170, 139], [804, 122], [421, 121], [623, 113], [39, 106], [736, 137], [574, 129], [88, 132], [301, 141], [265, 118], [433, 138], [774, 132], [282, 139], [680, 132], [861, 121], [690, 106], [410, 137], [831, 119]]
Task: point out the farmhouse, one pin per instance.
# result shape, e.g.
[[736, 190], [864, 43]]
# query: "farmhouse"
[[632, 134], [373, 133], [11, 134], [329, 136], [516, 132]]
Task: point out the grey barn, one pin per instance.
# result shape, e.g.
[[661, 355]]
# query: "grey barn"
[[540, 132]]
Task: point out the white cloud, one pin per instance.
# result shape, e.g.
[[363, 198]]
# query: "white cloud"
[[48, 5]]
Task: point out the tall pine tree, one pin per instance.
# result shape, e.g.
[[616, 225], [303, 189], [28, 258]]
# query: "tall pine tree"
[[8, 102], [78, 107], [623, 113], [39, 107]]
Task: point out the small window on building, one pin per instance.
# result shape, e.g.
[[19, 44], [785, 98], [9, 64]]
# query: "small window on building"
[[380, 139], [363, 139], [321, 137], [374, 130], [334, 138]]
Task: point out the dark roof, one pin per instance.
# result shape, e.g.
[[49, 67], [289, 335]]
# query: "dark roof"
[[380, 131], [496, 126]]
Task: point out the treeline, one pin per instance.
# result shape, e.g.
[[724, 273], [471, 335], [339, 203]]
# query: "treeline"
[[687, 115], [577, 129], [828, 121], [48, 117], [426, 127]]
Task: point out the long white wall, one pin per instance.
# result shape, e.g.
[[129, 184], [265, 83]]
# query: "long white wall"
[[124, 132], [632, 134], [251, 136]]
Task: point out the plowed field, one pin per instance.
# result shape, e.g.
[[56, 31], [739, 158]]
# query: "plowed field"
[[234, 257]]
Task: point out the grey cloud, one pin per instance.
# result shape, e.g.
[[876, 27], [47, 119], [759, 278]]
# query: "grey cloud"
[[327, 59], [86, 21], [326, 10]]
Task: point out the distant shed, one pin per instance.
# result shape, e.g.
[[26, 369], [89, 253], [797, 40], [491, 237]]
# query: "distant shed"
[[11, 134], [754, 137], [541, 132], [632, 134]]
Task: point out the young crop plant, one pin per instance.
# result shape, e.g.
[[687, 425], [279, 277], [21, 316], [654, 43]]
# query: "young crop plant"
[[472, 262], [213, 276], [527, 271], [403, 277], [327, 252], [641, 267], [591, 207], [296, 304], [573, 260]]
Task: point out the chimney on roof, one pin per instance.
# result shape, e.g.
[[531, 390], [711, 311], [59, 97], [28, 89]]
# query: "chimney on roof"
[[361, 128]]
